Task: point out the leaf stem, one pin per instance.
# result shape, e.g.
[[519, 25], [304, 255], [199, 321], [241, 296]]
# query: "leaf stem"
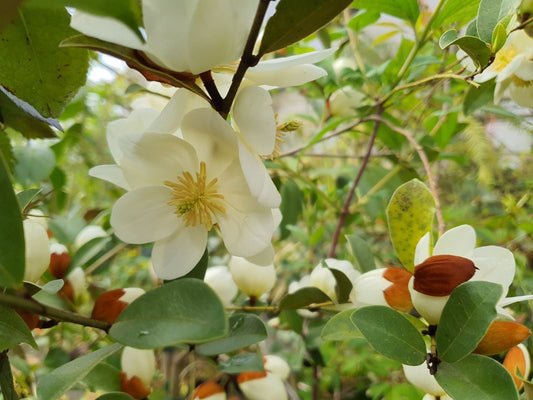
[[33, 306]]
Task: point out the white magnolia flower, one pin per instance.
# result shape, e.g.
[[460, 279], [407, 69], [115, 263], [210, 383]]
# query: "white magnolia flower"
[[253, 280], [181, 35], [492, 264], [220, 280], [181, 188], [37, 253]]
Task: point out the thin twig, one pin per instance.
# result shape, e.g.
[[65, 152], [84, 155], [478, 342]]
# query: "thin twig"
[[104, 258], [346, 208]]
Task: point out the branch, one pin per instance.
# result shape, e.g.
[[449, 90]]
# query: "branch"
[[35, 307], [346, 209]]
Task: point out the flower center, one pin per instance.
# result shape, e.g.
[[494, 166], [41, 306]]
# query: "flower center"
[[504, 57], [520, 82], [196, 200]]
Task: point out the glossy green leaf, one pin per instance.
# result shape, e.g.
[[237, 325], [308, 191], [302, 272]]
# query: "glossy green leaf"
[[129, 56], [244, 330], [477, 97], [34, 164], [341, 327], [361, 251], [22, 117], [115, 396], [88, 251], [391, 334], [103, 377], [32, 65], [466, 317], [457, 12], [291, 206], [297, 19], [52, 385], [7, 387], [476, 377], [499, 36], [344, 285], [477, 49], [13, 330], [11, 235], [410, 216], [183, 311], [242, 363], [303, 297], [405, 9], [490, 13]]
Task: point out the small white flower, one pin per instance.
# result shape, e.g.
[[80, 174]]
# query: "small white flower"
[[253, 280], [37, 252]]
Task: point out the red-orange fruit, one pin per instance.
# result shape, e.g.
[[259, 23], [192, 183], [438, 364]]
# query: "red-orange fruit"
[[439, 275], [108, 307], [250, 376], [133, 386], [501, 336], [515, 358], [397, 295]]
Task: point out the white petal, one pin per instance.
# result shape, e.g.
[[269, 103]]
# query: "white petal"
[[179, 253], [253, 280], [282, 63], [212, 137], [521, 95], [143, 215], [293, 76], [220, 280], [156, 158], [110, 173], [264, 257], [495, 264], [140, 363], [37, 253], [323, 279], [511, 300], [258, 179], [429, 307], [105, 28], [420, 377], [254, 117], [268, 388], [218, 32], [458, 241], [368, 289], [422, 250], [344, 266]]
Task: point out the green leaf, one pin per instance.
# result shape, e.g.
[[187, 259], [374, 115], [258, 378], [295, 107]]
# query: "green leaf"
[[27, 196], [198, 271], [103, 377], [477, 49], [7, 387], [478, 97], [242, 363], [53, 286], [6, 149], [457, 12], [52, 386], [291, 206], [183, 311], [88, 251], [361, 251], [490, 13], [466, 317], [344, 285], [22, 117], [476, 377], [362, 19], [405, 9], [410, 216], [115, 396], [391, 334], [32, 65], [13, 330], [341, 327], [303, 297], [11, 235], [130, 57], [35, 162], [244, 330], [297, 19], [499, 36], [126, 11]]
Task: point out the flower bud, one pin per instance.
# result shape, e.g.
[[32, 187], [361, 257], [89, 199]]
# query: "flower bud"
[[110, 304], [518, 357], [277, 365], [439, 275], [252, 279], [261, 386], [220, 280], [419, 376], [37, 250], [501, 336], [383, 286], [209, 391], [75, 284], [138, 367], [59, 260], [87, 234], [323, 278]]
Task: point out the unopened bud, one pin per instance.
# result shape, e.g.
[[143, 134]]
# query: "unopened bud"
[[440, 275], [277, 365], [209, 391], [261, 386], [59, 260], [138, 367], [518, 357], [254, 280], [110, 304], [37, 250], [501, 336]]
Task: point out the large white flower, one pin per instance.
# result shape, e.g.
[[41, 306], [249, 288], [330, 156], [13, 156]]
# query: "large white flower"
[[181, 188], [493, 264], [181, 35]]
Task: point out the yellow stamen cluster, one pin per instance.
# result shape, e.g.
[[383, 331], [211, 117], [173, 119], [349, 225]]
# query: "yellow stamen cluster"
[[504, 57], [196, 200], [281, 131]]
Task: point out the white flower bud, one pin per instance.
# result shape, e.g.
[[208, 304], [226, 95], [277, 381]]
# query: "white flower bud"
[[137, 365], [252, 279], [87, 234], [37, 250], [420, 377], [277, 365], [262, 386], [220, 280]]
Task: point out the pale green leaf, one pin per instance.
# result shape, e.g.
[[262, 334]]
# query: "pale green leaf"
[[361, 251], [391, 334], [35, 162], [457, 12], [52, 385], [410, 216], [242, 363], [185, 311], [476, 377], [405, 9], [476, 48], [13, 330], [466, 317], [341, 327], [490, 13]]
